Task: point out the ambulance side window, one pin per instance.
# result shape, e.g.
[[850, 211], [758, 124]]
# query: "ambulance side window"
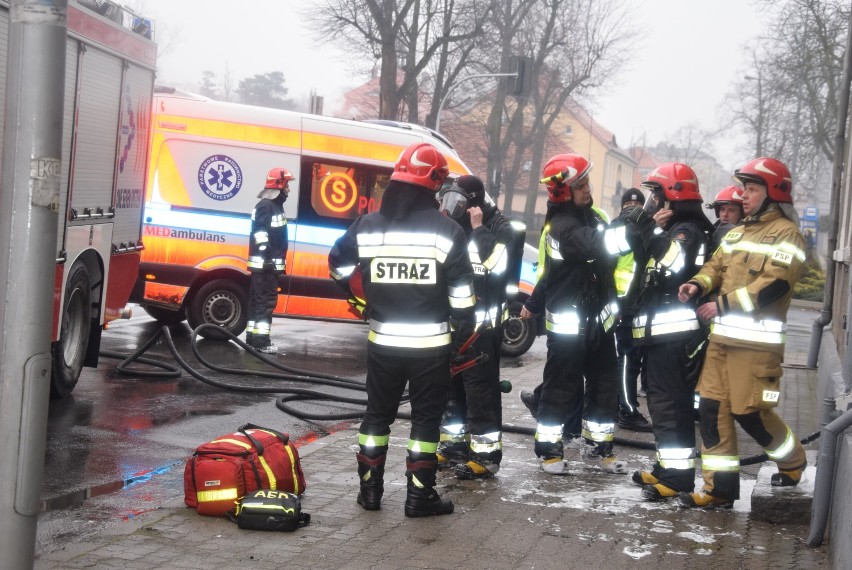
[[340, 192]]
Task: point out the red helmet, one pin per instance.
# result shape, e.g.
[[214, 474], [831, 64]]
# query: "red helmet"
[[423, 165], [677, 181], [728, 195], [561, 173], [771, 173], [277, 179]]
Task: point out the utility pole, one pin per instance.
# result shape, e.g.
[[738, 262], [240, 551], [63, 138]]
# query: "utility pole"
[[519, 87], [29, 194]]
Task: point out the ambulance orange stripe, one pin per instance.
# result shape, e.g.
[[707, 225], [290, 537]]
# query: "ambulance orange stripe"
[[313, 306], [274, 136]]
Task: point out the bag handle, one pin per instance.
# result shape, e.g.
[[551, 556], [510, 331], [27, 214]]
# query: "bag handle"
[[243, 429]]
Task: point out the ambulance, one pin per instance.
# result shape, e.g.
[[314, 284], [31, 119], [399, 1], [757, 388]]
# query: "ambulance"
[[209, 160]]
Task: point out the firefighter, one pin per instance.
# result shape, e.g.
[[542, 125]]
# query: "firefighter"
[[663, 327], [416, 277], [755, 270], [577, 295], [572, 424], [470, 432], [729, 211], [267, 258], [629, 357]]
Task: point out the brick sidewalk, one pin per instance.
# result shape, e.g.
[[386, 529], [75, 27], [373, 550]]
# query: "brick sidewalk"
[[522, 518]]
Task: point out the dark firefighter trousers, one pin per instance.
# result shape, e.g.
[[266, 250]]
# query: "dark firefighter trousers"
[[263, 296], [671, 399], [569, 360], [428, 379], [475, 397], [629, 367]]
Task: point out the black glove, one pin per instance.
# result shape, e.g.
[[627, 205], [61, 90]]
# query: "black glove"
[[635, 215], [462, 331], [639, 227]]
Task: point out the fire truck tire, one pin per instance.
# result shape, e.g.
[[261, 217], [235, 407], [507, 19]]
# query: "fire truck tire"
[[165, 316], [518, 334], [69, 351], [222, 303]]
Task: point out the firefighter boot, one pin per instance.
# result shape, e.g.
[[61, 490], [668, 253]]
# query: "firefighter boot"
[[788, 478], [477, 468], [602, 456], [452, 453], [371, 472], [422, 500], [703, 500], [554, 465], [643, 478], [658, 492], [262, 343]]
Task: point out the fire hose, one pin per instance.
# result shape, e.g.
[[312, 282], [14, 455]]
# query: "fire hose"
[[293, 394]]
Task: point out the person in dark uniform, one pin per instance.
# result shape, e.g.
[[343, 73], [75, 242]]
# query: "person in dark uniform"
[[470, 433], [629, 357], [663, 327], [728, 206], [417, 277], [267, 258], [577, 295]]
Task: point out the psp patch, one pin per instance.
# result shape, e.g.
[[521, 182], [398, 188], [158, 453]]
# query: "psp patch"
[[220, 177]]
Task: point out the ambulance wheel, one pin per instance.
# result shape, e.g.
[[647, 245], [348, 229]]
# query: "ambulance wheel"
[[166, 317], [222, 303], [69, 352], [518, 334]]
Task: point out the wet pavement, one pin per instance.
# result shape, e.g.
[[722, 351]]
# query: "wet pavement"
[[523, 518]]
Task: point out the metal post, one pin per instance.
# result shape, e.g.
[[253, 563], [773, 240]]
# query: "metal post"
[[827, 311], [29, 194]]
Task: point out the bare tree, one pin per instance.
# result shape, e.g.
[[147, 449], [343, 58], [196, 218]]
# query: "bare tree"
[[207, 86], [575, 46], [405, 37], [786, 101], [227, 83]]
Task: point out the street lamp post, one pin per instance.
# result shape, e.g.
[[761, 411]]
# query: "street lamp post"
[[760, 113], [459, 82]]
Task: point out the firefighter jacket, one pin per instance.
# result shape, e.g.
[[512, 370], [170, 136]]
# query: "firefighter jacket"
[[719, 232], [268, 238], [674, 256], [489, 248], [755, 269], [626, 281], [416, 274], [576, 288]]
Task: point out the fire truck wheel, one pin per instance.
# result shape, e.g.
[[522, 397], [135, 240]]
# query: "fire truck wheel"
[[166, 317], [69, 351], [222, 303], [518, 334]]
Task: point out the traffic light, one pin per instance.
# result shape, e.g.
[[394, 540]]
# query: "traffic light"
[[519, 86]]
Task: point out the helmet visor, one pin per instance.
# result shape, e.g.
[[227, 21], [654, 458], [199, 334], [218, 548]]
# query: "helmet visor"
[[454, 204], [656, 200]]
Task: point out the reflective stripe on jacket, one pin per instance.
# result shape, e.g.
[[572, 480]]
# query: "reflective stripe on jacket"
[[755, 269], [416, 275], [675, 256], [268, 238]]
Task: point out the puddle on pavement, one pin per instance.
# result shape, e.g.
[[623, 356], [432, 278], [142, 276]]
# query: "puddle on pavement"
[[78, 497]]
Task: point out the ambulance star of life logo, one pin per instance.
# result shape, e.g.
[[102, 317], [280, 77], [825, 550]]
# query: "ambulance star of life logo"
[[220, 177]]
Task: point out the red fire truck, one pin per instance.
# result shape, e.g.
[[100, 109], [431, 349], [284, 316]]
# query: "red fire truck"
[[109, 82]]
